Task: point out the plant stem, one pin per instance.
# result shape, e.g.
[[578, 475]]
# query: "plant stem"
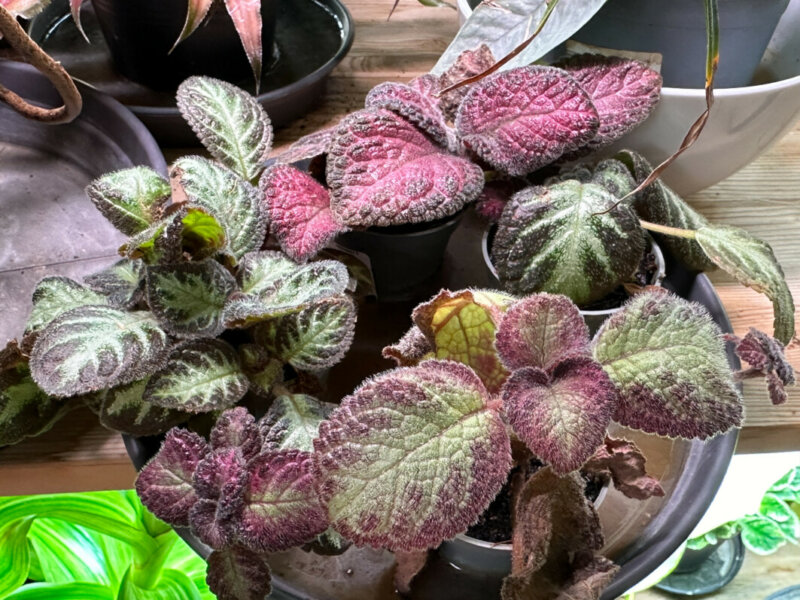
[[689, 234]]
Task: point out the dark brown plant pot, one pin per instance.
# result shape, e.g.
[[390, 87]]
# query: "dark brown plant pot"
[[141, 33]]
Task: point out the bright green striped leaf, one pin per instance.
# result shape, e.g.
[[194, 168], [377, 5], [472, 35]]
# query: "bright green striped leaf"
[[131, 199], [200, 376], [412, 457], [124, 409], [14, 555], [232, 200], [292, 422], [170, 585], [761, 535], [230, 123], [75, 590], [316, 337], [54, 296], [188, 298], [667, 359], [95, 347], [752, 262], [121, 283], [776, 509], [563, 239]]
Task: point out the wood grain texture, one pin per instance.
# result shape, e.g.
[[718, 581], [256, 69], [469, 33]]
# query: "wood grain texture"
[[764, 198]]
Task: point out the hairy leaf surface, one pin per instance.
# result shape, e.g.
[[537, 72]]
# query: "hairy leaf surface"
[[124, 409], [292, 422], [468, 64], [25, 410], [668, 361], [411, 349], [414, 106], [412, 457], [236, 573], [130, 199], [624, 463], [121, 283], [307, 147], [766, 356], [53, 296], [236, 428], [246, 17], [219, 480]]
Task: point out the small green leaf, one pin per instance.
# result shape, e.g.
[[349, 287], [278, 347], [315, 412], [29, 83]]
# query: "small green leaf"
[[130, 199], [202, 235], [292, 422], [200, 376], [124, 409], [761, 535], [121, 283], [777, 510], [188, 298], [95, 347], [14, 555], [159, 242], [230, 123], [752, 262], [54, 296], [75, 590]]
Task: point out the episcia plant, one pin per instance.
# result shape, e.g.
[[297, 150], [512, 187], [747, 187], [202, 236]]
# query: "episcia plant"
[[196, 317]]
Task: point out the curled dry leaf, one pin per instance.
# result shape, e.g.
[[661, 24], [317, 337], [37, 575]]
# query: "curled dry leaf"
[[624, 463], [766, 357]]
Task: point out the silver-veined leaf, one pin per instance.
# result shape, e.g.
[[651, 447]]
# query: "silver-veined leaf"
[[53, 296], [121, 283], [124, 409], [292, 422], [130, 199]]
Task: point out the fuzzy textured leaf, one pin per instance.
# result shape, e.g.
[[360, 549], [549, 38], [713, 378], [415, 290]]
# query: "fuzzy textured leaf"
[[563, 415], [299, 210], [124, 409], [236, 573], [246, 17], [165, 485], [540, 331], [219, 481], [559, 239], [231, 199], [121, 283], [468, 64], [188, 298], [412, 105], [200, 376], [307, 147], [96, 347], [411, 349], [752, 263], [230, 123], [667, 358], [624, 463], [130, 199], [53, 296], [292, 422], [236, 428], [383, 171], [523, 119], [412, 457], [766, 356]]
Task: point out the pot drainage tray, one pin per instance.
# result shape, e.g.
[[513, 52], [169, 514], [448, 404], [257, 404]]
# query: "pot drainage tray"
[[50, 227], [311, 38]]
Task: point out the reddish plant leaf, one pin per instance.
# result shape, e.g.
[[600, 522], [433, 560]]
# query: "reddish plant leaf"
[[281, 507], [299, 211], [623, 91], [246, 17], [307, 147], [236, 428], [218, 480], [540, 331], [468, 64], [195, 14], [383, 171], [410, 350], [493, 199], [236, 573], [561, 416], [624, 463], [766, 356], [165, 483], [522, 119], [408, 565], [420, 109]]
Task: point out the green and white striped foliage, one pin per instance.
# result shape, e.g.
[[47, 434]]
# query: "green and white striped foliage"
[[232, 200], [53, 296], [563, 239], [122, 284], [230, 123], [124, 409], [188, 298], [131, 199], [263, 370], [292, 422], [200, 376], [91, 348]]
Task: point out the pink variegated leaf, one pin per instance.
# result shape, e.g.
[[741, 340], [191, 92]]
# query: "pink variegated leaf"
[[236, 573], [195, 14], [420, 109], [236, 428], [561, 416], [410, 349], [299, 211], [383, 171], [218, 480], [493, 199], [468, 64], [307, 147], [246, 17], [623, 91], [524, 118], [624, 463], [75, 9]]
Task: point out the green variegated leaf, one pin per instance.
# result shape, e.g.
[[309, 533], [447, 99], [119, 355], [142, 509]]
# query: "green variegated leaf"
[[563, 239], [292, 422], [761, 535], [314, 338], [121, 283], [232, 200], [159, 242], [131, 199], [412, 457], [780, 512], [53, 296], [188, 298], [200, 376], [752, 262], [263, 370], [667, 359], [230, 123], [125, 410], [95, 347], [15, 557]]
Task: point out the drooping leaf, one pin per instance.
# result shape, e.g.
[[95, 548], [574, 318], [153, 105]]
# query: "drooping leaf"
[[624, 463], [752, 263], [383, 171], [299, 210], [219, 480], [15, 557], [766, 356], [131, 199], [561, 240], [412, 105], [165, 485], [125, 410], [188, 298], [246, 17], [230, 123], [236, 428], [563, 415], [761, 535], [307, 147], [236, 573], [523, 119], [412, 457], [541, 331], [96, 347], [53, 296], [195, 14], [121, 283], [667, 359], [468, 64], [200, 376], [292, 422], [317, 337], [623, 91], [412, 348]]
